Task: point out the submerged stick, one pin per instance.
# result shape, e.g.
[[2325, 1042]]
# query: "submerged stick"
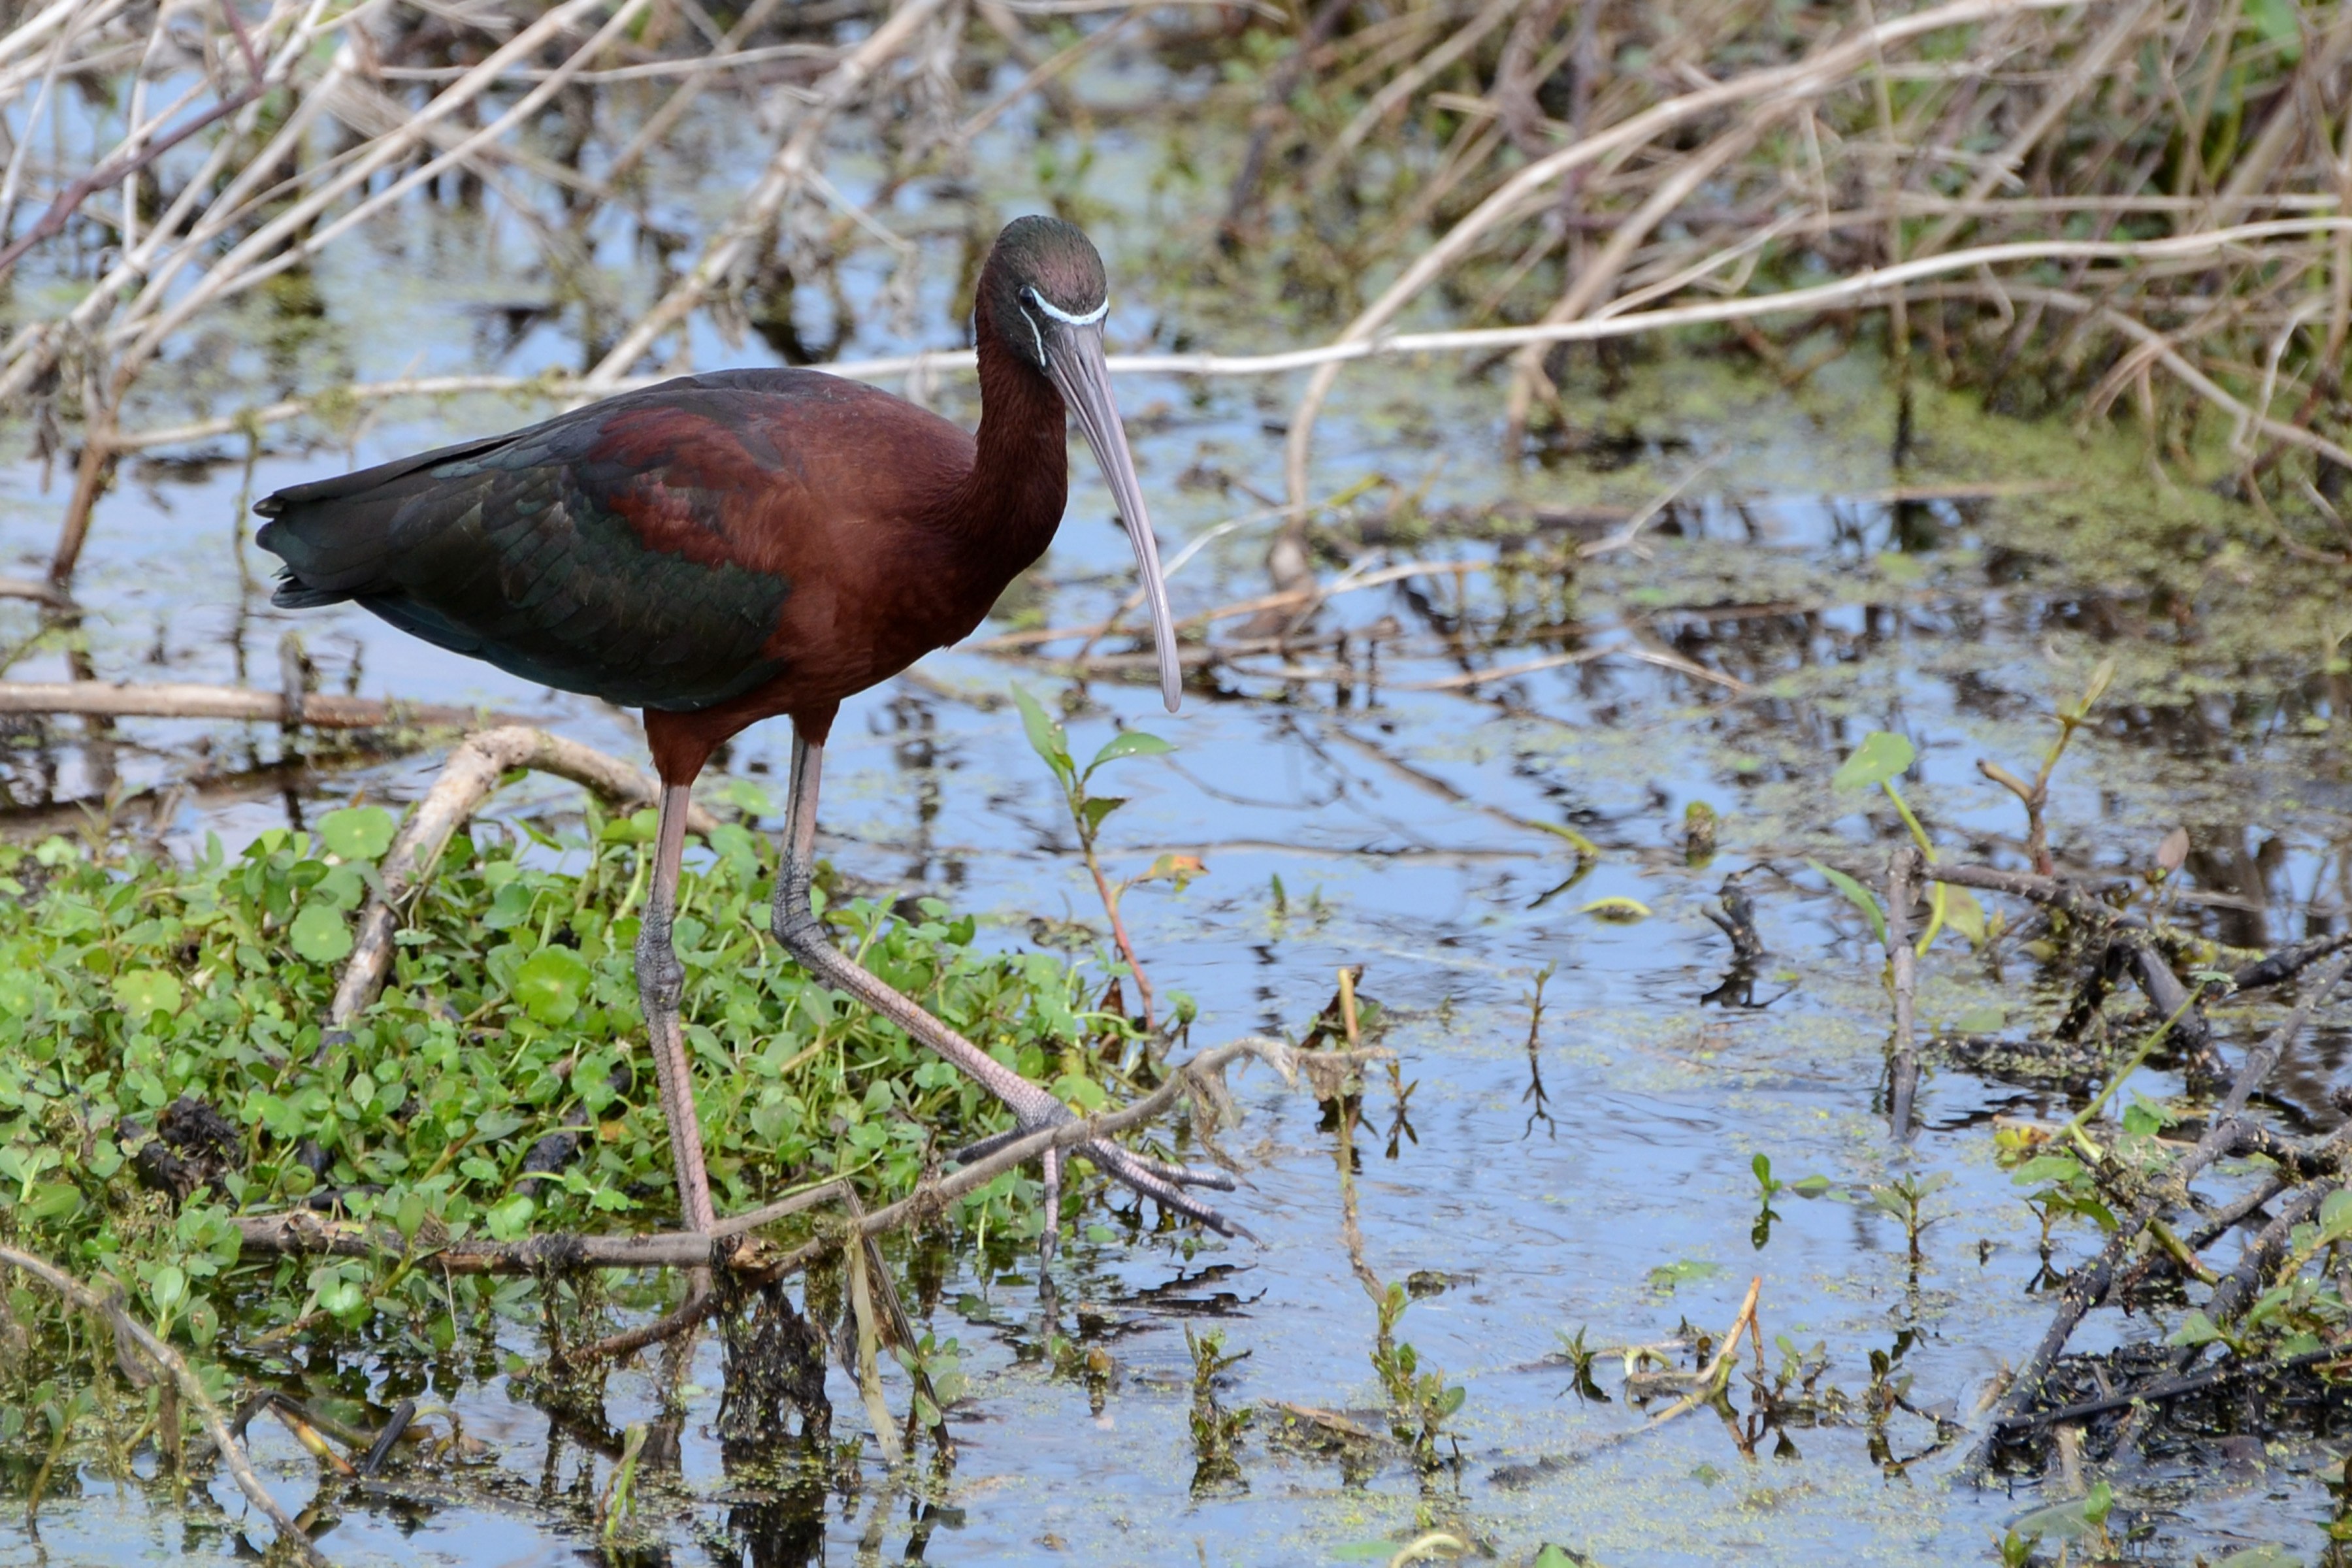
[[2128, 944], [473, 771], [183, 1379], [1902, 1083], [1716, 1372]]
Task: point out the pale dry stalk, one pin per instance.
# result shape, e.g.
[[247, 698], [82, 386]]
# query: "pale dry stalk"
[[184, 1380], [1804, 79], [1613, 321], [732, 250], [1601, 274], [472, 772]]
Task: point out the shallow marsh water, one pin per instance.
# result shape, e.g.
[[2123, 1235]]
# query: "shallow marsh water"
[[1409, 831]]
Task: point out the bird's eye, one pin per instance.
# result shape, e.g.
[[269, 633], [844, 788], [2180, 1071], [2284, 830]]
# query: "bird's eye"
[[1036, 334]]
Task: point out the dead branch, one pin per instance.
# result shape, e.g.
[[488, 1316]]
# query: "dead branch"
[[731, 250], [473, 771], [2128, 947], [183, 1379], [1874, 286], [125, 163], [177, 700], [1811, 76], [728, 1246]]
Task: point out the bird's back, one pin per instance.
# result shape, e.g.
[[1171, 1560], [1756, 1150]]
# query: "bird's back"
[[643, 549]]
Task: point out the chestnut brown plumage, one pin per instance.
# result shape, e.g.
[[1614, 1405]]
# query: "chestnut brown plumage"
[[726, 548]]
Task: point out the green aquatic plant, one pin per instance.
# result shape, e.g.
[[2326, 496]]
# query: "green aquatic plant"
[[1881, 759], [1419, 1403], [1906, 1198], [162, 1066], [1767, 1187], [2035, 797], [1088, 813], [1216, 1431]]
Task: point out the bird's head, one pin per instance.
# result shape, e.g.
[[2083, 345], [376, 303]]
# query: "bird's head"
[[1043, 278], [1044, 295]]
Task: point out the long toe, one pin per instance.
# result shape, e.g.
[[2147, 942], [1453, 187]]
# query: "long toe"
[[1143, 1176], [1188, 1175], [972, 1154]]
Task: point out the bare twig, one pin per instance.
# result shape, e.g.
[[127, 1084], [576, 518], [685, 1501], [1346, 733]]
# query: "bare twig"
[[473, 771], [183, 1378]]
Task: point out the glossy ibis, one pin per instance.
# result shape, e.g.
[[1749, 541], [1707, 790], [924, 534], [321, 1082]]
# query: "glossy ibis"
[[722, 548]]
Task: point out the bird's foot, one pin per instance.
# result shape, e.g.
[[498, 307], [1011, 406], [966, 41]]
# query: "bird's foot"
[[1033, 1108], [1158, 1179]]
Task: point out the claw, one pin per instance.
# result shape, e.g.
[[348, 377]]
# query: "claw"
[[1163, 1182], [1143, 1176]]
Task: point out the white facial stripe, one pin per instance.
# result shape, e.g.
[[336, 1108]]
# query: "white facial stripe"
[[1067, 319], [1037, 336]]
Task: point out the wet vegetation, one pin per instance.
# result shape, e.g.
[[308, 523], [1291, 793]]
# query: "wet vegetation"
[[1806, 675]]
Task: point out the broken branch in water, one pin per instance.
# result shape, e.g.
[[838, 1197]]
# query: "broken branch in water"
[[1717, 1370], [728, 1247], [132, 1331], [2087, 1287]]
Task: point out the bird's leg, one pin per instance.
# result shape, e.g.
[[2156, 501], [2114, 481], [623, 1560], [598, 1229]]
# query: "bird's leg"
[[805, 938], [661, 985], [1050, 1171]]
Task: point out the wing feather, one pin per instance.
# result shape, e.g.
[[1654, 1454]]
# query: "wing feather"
[[586, 552]]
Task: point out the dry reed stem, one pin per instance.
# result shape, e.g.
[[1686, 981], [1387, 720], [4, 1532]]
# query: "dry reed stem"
[[1808, 78], [728, 254], [1706, 179], [1865, 288]]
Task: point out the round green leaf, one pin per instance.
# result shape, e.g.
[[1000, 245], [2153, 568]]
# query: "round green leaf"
[[357, 831], [1880, 757], [509, 1220], [551, 983], [141, 993], [319, 934]]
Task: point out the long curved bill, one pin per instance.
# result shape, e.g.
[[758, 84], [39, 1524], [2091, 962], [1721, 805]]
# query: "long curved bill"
[[1074, 359]]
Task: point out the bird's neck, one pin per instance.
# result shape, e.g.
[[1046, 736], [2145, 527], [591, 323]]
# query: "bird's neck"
[[1010, 504]]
